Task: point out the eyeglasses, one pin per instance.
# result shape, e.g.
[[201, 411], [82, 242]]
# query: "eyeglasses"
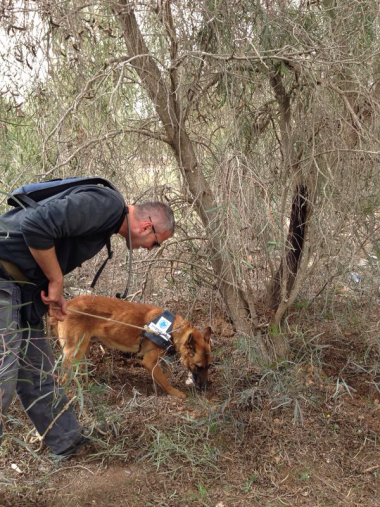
[[156, 244]]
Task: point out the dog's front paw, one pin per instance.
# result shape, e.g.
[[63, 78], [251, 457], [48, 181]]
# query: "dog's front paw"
[[178, 394]]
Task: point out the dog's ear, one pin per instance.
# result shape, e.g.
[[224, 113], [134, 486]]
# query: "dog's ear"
[[191, 342], [207, 334]]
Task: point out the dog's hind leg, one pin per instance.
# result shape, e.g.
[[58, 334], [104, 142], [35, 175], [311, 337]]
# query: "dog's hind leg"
[[75, 350], [151, 363]]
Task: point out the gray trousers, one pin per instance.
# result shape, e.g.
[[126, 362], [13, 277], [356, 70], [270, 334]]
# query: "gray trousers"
[[26, 363]]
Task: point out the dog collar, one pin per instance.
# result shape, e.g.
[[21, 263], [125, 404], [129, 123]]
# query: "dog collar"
[[163, 325]]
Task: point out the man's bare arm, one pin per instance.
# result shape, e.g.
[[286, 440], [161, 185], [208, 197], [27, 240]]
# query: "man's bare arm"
[[48, 262]]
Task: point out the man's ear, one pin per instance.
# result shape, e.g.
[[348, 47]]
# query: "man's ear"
[[190, 342], [146, 226], [207, 334]]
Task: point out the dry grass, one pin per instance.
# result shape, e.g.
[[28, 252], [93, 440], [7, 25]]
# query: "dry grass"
[[303, 432]]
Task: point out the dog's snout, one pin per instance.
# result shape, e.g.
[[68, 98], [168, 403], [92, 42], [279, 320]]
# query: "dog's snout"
[[200, 378]]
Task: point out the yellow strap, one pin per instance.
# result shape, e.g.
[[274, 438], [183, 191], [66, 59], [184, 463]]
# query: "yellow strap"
[[14, 271]]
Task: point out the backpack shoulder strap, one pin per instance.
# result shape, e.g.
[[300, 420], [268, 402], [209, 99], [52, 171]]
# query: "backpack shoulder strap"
[[24, 199], [100, 270]]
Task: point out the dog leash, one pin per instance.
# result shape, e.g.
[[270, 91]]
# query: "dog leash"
[[145, 328]]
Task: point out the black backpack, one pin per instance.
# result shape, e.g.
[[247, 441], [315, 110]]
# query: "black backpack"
[[30, 195]]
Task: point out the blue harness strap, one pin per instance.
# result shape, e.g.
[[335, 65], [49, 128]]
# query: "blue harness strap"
[[163, 324]]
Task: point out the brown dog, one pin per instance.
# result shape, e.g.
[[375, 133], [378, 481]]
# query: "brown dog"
[[76, 332]]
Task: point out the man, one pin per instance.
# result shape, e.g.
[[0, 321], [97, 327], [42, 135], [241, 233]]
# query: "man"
[[38, 246]]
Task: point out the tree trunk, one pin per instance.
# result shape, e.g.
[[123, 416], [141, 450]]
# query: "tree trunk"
[[295, 243], [168, 108], [283, 281]]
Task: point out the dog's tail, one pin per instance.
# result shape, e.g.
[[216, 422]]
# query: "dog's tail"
[[53, 324]]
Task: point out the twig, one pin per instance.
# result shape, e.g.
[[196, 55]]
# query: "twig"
[[370, 469], [41, 438]]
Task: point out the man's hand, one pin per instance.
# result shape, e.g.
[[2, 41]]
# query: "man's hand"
[[48, 262], [55, 300]]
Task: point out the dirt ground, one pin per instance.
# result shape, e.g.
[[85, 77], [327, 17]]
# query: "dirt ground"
[[300, 433]]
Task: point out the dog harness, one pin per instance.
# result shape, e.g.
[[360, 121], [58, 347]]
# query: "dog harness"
[[163, 325]]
